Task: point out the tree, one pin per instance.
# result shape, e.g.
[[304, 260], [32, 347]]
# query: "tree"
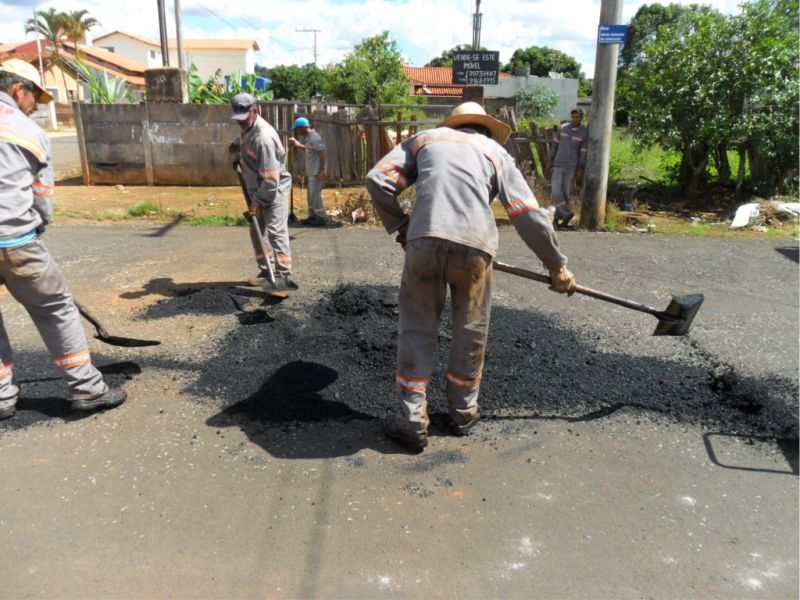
[[372, 72], [536, 100], [707, 83], [76, 24], [446, 57], [295, 83], [673, 92], [542, 60], [645, 24], [50, 25]]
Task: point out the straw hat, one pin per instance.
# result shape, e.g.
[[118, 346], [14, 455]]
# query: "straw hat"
[[472, 113], [27, 71]]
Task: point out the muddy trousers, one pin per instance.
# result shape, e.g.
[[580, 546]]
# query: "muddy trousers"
[[433, 265], [563, 178], [316, 210], [274, 223], [33, 279]]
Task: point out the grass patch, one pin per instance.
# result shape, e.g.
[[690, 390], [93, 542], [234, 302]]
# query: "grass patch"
[[629, 163], [216, 221], [145, 209]]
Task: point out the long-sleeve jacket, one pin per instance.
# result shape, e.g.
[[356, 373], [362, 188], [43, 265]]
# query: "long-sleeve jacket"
[[264, 159], [569, 146], [457, 175], [27, 190], [315, 146]]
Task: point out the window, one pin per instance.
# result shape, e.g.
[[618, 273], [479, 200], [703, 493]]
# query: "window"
[[152, 53]]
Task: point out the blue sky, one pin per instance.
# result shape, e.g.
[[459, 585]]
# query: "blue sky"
[[422, 28]]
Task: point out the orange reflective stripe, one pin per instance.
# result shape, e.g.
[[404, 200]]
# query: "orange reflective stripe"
[[271, 174], [424, 140], [466, 383], [72, 360], [415, 385], [283, 259], [6, 369], [521, 206], [394, 173], [9, 136]]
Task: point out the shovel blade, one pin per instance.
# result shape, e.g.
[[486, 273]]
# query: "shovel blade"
[[115, 340], [275, 291], [678, 316]]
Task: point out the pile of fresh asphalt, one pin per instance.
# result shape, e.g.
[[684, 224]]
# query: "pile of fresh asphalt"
[[331, 358], [335, 360]]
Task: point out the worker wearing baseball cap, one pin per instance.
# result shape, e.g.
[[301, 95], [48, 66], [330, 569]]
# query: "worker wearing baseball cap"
[[263, 160], [450, 239], [27, 193], [313, 147]]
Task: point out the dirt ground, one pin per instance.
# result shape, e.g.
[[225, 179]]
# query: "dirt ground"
[[249, 460]]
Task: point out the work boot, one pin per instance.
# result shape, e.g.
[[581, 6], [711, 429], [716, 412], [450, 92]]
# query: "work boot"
[[113, 397], [258, 279], [313, 222], [464, 430], [565, 221], [285, 282], [7, 408], [413, 442]]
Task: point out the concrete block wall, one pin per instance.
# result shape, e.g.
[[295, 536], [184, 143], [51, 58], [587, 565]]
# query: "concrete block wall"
[[156, 143]]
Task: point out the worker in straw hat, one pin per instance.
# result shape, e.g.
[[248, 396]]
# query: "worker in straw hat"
[[450, 239], [26, 267]]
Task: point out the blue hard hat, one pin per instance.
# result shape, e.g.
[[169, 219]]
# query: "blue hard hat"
[[301, 122]]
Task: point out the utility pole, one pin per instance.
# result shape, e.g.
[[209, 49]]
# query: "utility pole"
[[593, 203], [179, 36], [162, 30], [315, 32], [476, 27]]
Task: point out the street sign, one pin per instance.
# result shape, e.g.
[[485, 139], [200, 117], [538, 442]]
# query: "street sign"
[[612, 34], [476, 68]]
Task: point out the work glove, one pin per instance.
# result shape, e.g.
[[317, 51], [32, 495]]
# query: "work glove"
[[562, 281], [255, 211], [401, 237]]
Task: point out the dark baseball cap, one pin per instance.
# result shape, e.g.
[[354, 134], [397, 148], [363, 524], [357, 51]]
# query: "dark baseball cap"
[[242, 104]]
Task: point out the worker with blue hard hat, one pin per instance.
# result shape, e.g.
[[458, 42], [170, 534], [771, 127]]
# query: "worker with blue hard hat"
[[313, 147]]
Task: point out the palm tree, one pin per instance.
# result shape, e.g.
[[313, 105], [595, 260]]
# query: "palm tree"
[[50, 25], [76, 25]]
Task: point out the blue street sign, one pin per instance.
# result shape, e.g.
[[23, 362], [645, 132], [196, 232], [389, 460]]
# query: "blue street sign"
[[612, 34]]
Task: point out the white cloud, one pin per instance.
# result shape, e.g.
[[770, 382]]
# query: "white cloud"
[[422, 28]]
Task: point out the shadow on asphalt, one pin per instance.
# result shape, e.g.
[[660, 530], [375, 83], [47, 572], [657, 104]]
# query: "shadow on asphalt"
[[790, 252], [292, 399], [786, 446], [44, 397], [164, 230]]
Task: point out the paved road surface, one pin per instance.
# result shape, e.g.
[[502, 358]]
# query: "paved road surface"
[[595, 484]]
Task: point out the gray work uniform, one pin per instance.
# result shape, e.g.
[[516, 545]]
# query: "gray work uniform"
[[269, 183], [315, 146], [451, 241], [28, 271], [568, 153]]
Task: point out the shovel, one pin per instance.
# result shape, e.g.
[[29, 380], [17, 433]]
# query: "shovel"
[[674, 320], [259, 247], [103, 335]]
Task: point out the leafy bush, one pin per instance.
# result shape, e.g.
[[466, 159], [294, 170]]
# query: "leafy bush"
[[536, 100], [213, 91]]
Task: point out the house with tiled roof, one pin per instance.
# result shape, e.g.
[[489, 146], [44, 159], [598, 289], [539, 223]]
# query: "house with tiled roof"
[[208, 55], [61, 78], [436, 84]]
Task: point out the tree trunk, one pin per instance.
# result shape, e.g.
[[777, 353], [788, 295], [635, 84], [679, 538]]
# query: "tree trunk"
[[760, 170], [696, 163], [740, 173], [723, 164]]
